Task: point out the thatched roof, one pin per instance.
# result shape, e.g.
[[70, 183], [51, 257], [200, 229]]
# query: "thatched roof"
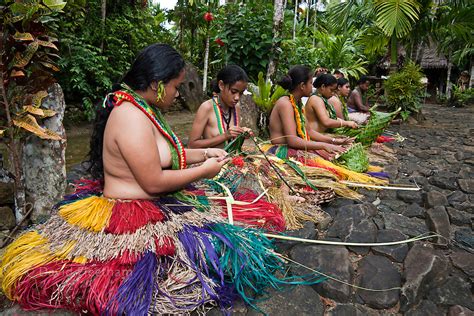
[[430, 58]]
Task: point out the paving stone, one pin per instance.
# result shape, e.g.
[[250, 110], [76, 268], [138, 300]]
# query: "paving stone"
[[408, 226], [414, 210], [410, 196], [346, 219], [455, 291], [329, 260], [364, 232], [464, 261], [459, 217], [458, 197], [438, 221], [423, 270], [435, 198], [458, 310], [424, 308], [467, 185], [377, 272], [300, 300], [465, 237], [396, 253], [307, 232]]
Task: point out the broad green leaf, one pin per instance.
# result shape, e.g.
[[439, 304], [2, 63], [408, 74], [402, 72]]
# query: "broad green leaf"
[[39, 112], [55, 5], [21, 60], [28, 122], [47, 44], [23, 36], [38, 98]]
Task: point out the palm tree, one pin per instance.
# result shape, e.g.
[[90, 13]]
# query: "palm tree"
[[396, 19], [277, 25]]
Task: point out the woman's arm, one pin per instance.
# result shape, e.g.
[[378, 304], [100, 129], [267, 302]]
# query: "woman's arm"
[[287, 120], [358, 102], [139, 150], [199, 155], [199, 125], [317, 104], [336, 103]]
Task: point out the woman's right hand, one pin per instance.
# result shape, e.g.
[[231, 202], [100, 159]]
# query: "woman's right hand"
[[351, 124], [234, 131], [333, 148], [212, 166]]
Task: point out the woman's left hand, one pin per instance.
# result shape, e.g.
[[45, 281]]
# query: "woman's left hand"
[[215, 152], [249, 131], [343, 140]]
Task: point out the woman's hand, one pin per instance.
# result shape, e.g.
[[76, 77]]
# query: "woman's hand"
[[215, 153], [343, 140], [234, 131], [212, 166], [248, 131], [351, 124], [333, 148]]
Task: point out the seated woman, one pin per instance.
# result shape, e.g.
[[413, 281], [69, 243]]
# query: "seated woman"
[[358, 103], [338, 100], [119, 245], [287, 120], [320, 114], [217, 119]]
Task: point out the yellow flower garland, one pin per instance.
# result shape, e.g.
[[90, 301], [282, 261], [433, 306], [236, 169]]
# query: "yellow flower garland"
[[299, 118]]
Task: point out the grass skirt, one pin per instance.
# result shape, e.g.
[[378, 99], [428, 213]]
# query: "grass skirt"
[[109, 256]]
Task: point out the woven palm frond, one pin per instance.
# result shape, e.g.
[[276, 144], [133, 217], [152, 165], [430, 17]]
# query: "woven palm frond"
[[377, 123], [355, 159], [368, 133]]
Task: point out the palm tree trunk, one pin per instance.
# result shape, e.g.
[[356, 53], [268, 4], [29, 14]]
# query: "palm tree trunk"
[[448, 77], [393, 54], [103, 11], [277, 24], [315, 25], [308, 3], [295, 18], [471, 81]]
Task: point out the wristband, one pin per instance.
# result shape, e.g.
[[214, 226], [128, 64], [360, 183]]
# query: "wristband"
[[333, 140], [205, 153]]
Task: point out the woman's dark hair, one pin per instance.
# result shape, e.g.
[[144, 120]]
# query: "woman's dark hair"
[[362, 80], [341, 82], [295, 76], [157, 62], [324, 79], [229, 75]]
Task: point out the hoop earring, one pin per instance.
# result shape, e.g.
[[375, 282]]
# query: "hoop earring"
[[160, 92]]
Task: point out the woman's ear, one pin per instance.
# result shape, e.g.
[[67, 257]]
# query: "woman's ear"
[[221, 85], [154, 86]]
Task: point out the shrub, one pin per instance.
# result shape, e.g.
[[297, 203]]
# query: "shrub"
[[405, 90]]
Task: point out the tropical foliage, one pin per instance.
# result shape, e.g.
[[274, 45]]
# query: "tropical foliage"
[[28, 61], [405, 90]]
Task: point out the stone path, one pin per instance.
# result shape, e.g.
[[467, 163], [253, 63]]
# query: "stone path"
[[435, 277]]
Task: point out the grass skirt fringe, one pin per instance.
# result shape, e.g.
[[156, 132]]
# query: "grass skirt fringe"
[[138, 257]]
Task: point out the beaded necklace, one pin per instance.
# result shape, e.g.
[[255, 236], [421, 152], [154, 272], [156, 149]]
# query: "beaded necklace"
[[221, 119], [300, 118], [178, 154]]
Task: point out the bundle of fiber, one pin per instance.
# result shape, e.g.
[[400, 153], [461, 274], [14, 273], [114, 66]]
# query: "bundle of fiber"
[[162, 256], [355, 158]]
